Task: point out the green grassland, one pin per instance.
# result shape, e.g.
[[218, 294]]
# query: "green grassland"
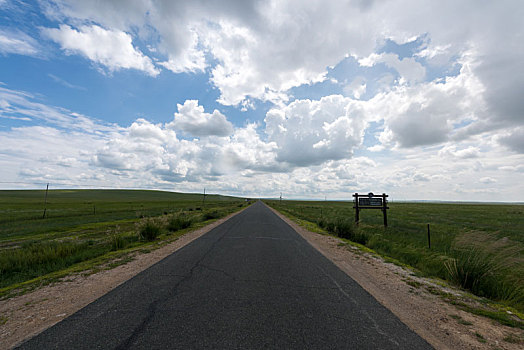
[[478, 247], [83, 229]]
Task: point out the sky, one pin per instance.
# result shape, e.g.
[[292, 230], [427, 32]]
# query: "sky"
[[420, 99]]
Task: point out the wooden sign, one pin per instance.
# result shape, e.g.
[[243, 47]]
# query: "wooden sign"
[[371, 201]]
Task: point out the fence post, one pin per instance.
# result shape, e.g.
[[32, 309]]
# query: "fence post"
[[429, 239], [45, 201], [384, 209]]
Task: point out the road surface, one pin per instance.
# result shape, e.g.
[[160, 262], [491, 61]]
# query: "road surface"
[[250, 283]]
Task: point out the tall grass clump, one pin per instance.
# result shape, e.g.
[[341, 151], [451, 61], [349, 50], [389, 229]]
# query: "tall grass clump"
[[214, 214], [343, 228], [149, 230], [326, 224], [178, 222], [483, 264], [321, 223], [116, 240], [38, 258], [471, 267]]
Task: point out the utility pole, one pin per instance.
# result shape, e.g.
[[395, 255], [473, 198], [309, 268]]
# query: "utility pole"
[[45, 200], [280, 198], [204, 199]]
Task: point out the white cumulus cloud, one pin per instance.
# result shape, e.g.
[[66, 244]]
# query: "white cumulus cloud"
[[192, 119], [260, 49], [111, 48], [312, 132], [427, 114]]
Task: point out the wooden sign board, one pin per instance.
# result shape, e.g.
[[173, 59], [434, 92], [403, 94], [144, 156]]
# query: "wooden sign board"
[[371, 201]]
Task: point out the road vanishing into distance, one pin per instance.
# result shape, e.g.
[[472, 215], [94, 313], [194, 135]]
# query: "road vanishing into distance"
[[250, 283]]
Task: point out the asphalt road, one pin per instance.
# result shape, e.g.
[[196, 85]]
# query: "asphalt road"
[[250, 283]]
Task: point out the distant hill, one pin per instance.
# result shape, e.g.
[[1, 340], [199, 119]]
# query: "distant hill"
[[74, 195]]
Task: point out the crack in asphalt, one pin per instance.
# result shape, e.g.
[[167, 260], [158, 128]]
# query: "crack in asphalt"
[[355, 302], [128, 342], [363, 311], [152, 309]]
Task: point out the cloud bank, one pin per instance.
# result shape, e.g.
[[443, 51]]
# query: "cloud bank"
[[309, 148], [431, 102]]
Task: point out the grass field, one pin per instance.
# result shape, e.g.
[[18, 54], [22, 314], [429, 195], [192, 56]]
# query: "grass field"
[[478, 247], [87, 228]]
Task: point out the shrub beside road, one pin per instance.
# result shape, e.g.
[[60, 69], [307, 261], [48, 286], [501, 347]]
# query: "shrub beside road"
[[86, 230]]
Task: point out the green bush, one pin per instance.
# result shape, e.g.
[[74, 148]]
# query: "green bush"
[[215, 214], [330, 226], [343, 228], [360, 237], [178, 222], [149, 230]]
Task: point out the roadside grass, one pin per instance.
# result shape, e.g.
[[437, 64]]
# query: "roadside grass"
[[493, 312], [36, 251], [460, 320], [514, 339], [478, 247], [178, 222], [480, 337], [149, 229], [481, 263]]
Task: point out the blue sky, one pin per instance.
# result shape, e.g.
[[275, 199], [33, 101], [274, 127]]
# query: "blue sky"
[[255, 98]]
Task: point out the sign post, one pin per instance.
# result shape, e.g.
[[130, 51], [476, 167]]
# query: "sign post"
[[357, 209], [371, 201]]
